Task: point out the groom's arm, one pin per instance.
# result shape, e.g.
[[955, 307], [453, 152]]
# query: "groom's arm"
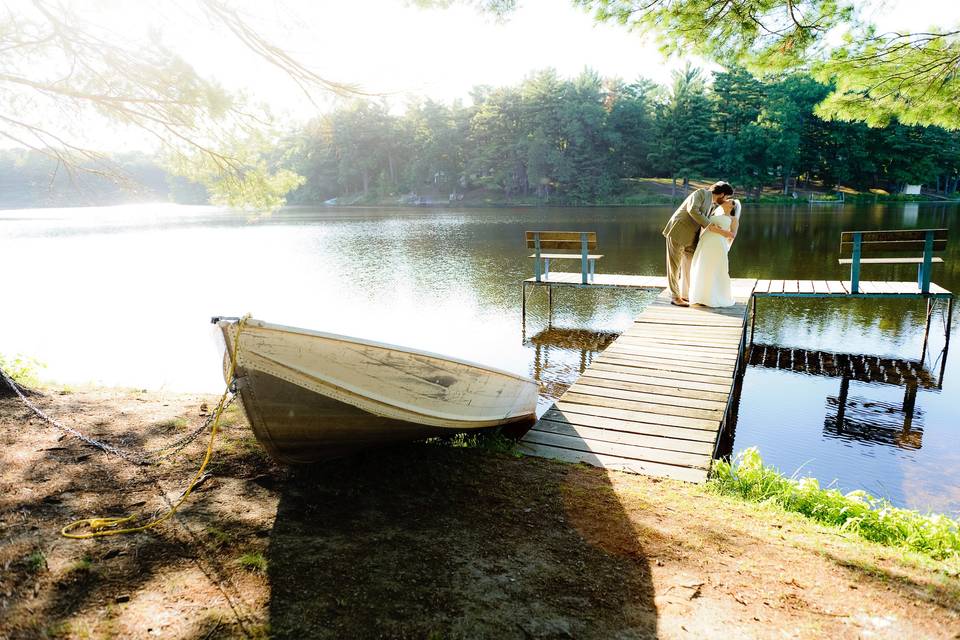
[[694, 205]]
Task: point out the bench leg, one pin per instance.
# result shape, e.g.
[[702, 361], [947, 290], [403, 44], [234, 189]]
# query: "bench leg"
[[946, 344], [523, 313], [549, 306], [546, 268]]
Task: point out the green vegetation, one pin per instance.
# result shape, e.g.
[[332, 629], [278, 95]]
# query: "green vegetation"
[[875, 77], [253, 562], [872, 518], [83, 565], [487, 440], [588, 140], [36, 561], [23, 369], [218, 536]]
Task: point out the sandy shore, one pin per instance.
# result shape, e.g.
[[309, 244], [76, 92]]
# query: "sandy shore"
[[419, 541]]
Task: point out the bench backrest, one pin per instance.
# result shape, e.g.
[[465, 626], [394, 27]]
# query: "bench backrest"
[[912, 241], [561, 240]]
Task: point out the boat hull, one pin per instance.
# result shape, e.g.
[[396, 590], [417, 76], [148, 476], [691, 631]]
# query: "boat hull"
[[311, 396]]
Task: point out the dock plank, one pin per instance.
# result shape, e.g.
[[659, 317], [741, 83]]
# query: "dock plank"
[[679, 434], [624, 437], [670, 414], [600, 378], [674, 351], [835, 287], [653, 376], [577, 442], [676, 399], [614, 463]]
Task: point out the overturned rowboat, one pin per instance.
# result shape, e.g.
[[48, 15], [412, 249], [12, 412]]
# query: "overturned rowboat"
[[311, 396]]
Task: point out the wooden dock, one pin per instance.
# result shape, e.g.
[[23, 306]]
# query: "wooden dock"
[[655, 400]]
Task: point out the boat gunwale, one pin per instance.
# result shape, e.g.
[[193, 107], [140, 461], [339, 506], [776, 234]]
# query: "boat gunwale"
[[374, 343]]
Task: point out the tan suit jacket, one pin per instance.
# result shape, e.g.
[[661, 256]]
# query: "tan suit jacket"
[[685, 223]]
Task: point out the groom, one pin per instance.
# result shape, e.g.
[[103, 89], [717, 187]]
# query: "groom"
[[682, 233]]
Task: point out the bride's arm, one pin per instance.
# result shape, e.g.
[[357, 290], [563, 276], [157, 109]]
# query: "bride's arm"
[[723, 232]]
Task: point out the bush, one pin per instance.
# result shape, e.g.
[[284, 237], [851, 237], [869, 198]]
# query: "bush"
[[874, 519], [22, 369]]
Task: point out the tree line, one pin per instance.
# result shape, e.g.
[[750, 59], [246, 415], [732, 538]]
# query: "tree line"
[[587, 139]]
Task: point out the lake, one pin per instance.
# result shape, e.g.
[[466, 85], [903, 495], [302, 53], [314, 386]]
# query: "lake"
[[123, 296]]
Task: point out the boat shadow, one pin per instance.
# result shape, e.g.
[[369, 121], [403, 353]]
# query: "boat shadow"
[[428, 540]]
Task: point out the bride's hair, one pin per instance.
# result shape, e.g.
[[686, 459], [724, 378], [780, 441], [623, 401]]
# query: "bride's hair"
[[736, 209]]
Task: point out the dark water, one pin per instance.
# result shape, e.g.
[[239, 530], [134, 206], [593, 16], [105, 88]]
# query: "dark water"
[[839, 390]]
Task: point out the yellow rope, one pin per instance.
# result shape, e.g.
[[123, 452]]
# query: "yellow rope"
[[100, 527]]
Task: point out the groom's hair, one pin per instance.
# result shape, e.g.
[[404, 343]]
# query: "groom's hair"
[[721, 187]]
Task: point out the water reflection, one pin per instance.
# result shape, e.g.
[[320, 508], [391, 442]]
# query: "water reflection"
[[859, 418], [560, 355]]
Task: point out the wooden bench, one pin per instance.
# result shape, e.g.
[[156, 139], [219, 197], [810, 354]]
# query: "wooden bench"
[[921, 243], [567, 241]]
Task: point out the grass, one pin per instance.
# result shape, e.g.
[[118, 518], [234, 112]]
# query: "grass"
[[36, 561], [857, 512], [219, 536], [487, 440], [253, 562], [83, 565]]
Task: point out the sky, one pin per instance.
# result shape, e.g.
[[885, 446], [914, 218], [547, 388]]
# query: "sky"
[[390, 47]]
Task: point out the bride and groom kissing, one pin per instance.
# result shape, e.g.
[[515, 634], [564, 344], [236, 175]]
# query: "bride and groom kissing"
[[699, 234]]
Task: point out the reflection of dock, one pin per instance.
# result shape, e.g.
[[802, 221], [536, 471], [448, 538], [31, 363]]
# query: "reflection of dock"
[[863, 368], [655, 400], [856, 418]]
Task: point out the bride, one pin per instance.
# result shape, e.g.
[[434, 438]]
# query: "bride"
[[710, 269]]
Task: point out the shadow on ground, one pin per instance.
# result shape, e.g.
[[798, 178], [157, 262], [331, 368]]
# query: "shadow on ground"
[[432, 541]]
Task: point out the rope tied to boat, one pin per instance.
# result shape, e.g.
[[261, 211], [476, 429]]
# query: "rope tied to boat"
[[108, 526], [146, 458]]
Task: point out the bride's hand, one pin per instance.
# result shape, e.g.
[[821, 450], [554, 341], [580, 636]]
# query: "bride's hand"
[[719, 230]]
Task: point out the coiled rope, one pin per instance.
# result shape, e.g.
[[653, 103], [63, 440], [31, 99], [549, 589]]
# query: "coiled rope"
[[112, 526]]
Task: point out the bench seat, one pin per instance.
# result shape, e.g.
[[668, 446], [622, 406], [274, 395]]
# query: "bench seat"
[[571, 256], [890, 260]]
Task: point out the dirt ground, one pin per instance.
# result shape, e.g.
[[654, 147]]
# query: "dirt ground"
[[419, 541]]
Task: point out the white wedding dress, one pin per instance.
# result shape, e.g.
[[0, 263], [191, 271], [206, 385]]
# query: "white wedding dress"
[[710, 268]]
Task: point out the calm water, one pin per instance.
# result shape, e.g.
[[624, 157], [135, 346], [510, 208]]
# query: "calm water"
[[123, 296]]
